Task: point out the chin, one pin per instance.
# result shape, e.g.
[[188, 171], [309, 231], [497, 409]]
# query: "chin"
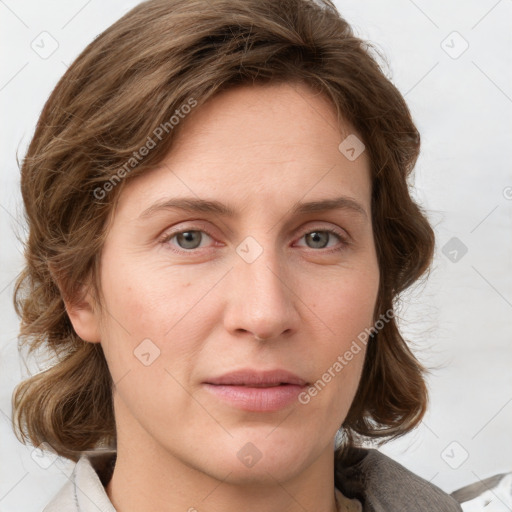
[[263, 461]]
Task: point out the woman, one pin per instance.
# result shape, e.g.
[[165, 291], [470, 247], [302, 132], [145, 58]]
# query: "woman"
[[219, 226]]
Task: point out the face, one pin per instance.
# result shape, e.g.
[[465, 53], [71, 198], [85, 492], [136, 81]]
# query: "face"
[[186, 291]]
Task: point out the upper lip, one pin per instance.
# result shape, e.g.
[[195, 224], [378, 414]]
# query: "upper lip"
[[249, 377]]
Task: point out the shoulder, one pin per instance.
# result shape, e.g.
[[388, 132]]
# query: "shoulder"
[[85, 491], [383, 484]]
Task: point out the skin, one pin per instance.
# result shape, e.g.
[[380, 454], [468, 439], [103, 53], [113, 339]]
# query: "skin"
[[260, 150]]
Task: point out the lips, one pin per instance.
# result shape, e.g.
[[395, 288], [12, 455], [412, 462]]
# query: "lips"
[[256, 391], [257, 379]]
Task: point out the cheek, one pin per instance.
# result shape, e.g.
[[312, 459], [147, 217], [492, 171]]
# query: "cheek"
[[149, 301], [345, 304], [345, 307], [150, 326]]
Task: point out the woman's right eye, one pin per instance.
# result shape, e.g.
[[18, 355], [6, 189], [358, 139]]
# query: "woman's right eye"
[[187, 240]]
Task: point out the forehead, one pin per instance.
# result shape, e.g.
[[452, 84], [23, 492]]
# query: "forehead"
[[252, 115], [270, 145]]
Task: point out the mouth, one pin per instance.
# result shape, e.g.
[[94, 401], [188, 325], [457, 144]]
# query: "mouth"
[[255, 391]]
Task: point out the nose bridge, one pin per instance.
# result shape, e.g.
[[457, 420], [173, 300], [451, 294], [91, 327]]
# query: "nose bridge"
[[261, 298]]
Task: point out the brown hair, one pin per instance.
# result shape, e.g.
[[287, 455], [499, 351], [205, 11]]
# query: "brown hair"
[[122, 88]]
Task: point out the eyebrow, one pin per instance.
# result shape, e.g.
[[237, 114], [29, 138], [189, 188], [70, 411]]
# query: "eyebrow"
[[195, 205]]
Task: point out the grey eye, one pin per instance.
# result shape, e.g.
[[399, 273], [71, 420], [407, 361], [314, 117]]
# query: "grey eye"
[[189, 239], [319, 239]]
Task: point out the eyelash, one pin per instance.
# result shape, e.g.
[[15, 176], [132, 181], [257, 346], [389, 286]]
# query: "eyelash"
[[342, 239]]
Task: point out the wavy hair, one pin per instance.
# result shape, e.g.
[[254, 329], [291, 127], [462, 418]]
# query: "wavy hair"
[[126, 84]]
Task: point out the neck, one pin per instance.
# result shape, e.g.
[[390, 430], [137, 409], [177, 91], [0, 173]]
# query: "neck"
[[147, 477]]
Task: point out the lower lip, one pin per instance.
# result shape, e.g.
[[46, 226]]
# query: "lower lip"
[[257, 399]]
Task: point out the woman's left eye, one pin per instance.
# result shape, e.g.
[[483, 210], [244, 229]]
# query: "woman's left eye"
[[190, 239], [319, 238]]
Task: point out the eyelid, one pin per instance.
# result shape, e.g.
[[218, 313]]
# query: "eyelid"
[[196, 226], [342, 233], [202, 226]]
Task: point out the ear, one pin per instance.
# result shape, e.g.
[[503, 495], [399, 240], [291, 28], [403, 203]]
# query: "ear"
[[84, 317], [82, 310]]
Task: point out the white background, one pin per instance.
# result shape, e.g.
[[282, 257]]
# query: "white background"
[[459, 320]]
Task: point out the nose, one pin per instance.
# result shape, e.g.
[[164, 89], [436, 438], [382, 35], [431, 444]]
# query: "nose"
[[260, 299]]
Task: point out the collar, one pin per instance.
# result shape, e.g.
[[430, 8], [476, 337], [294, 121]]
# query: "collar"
[[85, 489]]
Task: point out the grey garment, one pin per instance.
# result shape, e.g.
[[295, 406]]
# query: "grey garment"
[[492, 494], [380, 483]]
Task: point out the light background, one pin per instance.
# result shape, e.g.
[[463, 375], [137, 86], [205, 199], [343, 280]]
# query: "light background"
[[460, 320]]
